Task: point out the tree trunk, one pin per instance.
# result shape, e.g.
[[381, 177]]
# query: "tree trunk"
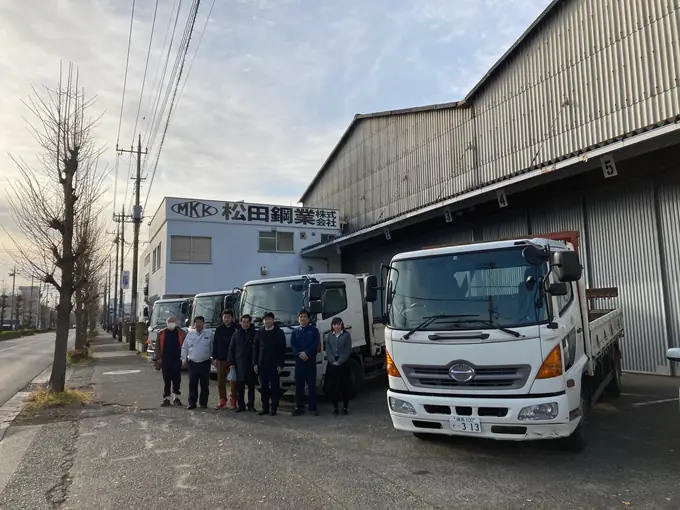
[[58, 378], [81, 335]]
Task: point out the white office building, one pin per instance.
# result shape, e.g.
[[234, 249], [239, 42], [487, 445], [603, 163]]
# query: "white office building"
[[207, 246]]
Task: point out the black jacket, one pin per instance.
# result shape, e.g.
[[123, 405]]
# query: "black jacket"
[[269, 348], [222, 339], [241, 353]]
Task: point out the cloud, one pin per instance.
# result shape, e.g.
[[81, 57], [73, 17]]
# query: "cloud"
[[273, 87]]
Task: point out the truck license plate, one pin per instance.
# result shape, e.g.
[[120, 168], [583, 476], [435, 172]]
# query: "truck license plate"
[[466, 424]]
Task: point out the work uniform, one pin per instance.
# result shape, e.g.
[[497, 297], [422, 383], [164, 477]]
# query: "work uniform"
[[305, 340], [338, 349], [221, 342], [269, 355], [196, 352], [169, 352]]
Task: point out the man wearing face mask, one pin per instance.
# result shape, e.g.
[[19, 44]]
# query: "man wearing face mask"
[[168, 358]]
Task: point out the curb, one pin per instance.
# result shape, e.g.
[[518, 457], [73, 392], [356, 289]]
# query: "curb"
[[13, 407]]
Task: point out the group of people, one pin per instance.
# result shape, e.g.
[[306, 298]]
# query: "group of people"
[[242, 353]]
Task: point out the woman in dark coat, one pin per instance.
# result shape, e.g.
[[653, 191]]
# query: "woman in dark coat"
[[241, 358], [338, 346]]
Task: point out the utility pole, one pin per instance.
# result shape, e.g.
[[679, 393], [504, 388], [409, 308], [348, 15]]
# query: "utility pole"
[[116, 241], [137, 220], [107, 300], [121, 302], [13, 274]]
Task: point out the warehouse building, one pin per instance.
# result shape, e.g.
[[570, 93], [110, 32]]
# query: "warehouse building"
[[575, 128], [200, 246]]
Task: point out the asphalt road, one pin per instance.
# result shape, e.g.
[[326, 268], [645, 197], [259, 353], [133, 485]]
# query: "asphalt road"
[[133, 454], [22, 360]]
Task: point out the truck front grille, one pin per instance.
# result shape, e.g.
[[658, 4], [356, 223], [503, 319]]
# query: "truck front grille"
[[501, 377]]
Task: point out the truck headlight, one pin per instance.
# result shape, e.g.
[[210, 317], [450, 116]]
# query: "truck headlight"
[[547, 411], [401, 406]]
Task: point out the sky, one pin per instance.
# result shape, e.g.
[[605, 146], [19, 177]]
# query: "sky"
[[268, 93]]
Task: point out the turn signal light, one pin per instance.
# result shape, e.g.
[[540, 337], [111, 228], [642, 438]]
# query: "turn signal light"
[[552, 366], [391, 367]]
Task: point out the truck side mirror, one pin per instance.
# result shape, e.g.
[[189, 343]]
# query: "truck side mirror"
[[186, 323], [566, 266], [371, 288], [146, 312], [315, 291], [557, 289], [315, 307], [673, 354], [183, 308]]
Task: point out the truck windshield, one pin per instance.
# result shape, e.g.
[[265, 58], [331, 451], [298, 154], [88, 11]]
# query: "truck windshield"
[[477, 287], [284, 299], [210, 308], [161, 312]]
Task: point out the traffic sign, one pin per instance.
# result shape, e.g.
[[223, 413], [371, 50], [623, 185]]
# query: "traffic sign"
[[125, 280]]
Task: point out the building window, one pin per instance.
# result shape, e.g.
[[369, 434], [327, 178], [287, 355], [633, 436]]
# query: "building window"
[[327, 238], [156, 263], [147, 260], [276, 242], [191, 249]]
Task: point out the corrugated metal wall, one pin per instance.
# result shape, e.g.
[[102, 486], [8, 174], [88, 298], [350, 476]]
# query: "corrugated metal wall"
[[668, 196], [593, 71]]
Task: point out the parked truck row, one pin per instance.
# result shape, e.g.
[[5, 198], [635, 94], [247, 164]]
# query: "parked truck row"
[[497, 340]]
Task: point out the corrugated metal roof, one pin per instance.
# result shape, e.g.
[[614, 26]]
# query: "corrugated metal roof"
[[456, 104]]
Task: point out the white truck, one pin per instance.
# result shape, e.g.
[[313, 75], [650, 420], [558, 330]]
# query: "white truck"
[[325, 295], [496, 340], [210, 306], [161, 309]]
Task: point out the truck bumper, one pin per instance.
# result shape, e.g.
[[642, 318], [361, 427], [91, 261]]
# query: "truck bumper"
[[491, 418]]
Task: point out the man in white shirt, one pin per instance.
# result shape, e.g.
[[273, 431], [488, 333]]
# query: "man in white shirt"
[[196, 354]]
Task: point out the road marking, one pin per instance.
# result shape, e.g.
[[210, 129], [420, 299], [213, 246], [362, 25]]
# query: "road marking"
[[23, 343], [651, 402], [121, 372]]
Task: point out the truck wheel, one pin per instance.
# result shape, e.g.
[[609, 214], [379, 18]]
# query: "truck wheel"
[[613, 389], [578, 440], [357, 374]]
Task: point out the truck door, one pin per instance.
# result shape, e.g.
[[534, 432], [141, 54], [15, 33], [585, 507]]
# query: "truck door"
[[335, 303]]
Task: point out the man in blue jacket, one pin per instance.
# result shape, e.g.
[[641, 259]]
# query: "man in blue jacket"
[[304, 341]]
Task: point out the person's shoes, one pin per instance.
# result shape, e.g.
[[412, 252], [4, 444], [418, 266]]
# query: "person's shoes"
[[345, 411], [177, 401], [336, 411], [272, 412], [165, 403], [191, 407], [240, 409], [251, 409], [264, 412], [222, 403], [232, 403], [314, 412], [204, 406], [298, 412]]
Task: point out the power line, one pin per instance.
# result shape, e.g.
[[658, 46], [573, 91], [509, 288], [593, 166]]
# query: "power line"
[[122, 101], [192, 19]]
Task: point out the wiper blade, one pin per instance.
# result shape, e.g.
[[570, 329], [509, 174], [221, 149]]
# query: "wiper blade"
[[491, 324], [429, 320]]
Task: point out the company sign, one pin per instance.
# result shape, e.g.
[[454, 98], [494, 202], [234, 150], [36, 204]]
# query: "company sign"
[[194, 209]]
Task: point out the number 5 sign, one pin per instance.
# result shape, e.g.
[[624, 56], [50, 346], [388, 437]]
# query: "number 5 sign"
[[608, 166]]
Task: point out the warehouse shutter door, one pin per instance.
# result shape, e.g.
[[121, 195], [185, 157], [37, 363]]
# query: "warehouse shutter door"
[[624, 253]]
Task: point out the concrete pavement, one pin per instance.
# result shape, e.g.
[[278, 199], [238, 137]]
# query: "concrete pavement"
[[22, 359], [127, 452]]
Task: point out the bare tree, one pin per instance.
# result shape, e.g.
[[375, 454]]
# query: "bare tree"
[[54, 200], [18, 310], [3, 305]]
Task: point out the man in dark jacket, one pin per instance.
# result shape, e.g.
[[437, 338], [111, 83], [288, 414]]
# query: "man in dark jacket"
[[269, 356], [241, 358], [223, 334], [168, 358]]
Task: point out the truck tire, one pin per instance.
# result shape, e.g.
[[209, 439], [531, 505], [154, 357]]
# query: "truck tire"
[[613, 389], [578, 439], [357, 373]]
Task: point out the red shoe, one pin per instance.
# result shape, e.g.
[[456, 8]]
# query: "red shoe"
[[232, 403], [222, 404]]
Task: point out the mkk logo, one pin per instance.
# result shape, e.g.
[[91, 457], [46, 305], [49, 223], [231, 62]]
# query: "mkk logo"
[[194, 209]]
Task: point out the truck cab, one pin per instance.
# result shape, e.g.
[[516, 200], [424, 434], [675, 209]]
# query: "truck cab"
[[210, 306], [324, 295], [496, 340], [161, 309]]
